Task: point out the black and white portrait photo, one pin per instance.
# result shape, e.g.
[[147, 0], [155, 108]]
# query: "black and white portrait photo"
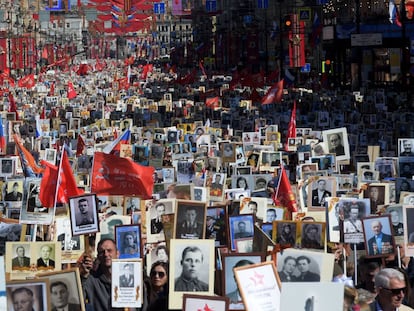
[[191, 268], [83, 213]]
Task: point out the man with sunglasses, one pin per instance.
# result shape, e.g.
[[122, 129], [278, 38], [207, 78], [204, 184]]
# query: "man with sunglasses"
[[391, 289]]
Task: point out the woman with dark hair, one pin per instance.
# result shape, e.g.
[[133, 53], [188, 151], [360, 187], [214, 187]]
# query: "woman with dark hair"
[[158, 287], [241, 182]]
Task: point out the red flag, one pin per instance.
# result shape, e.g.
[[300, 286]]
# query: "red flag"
[[52, 89], [80, 146], [58, 182], [212, 102], [43, 113], [67, 186], [200, 63], [48, 184], [113, 175], [13, 105], [292, 126], [71, 90], [83, 70], [274, 94], [27, 81], [45, 54], [2, 138], [284, 195]]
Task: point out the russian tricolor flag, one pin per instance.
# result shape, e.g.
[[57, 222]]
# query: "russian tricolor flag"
[[394, 14], [115, 146], [2, 138]]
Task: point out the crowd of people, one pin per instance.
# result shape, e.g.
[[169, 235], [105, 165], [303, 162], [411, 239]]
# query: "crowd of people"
[[219, 160]]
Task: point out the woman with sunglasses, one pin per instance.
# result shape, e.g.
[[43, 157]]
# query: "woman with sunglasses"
[[158, 289]]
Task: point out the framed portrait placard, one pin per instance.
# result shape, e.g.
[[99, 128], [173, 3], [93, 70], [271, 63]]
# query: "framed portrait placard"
[[155, 229], [378, 235], [26, 259], [259, 286], [38, 289], [319, 296], [32, 211], [128, 241], [319, 190], [240, 227], [215, 225], [408, 216], [190, 259], [190, 222], [204, 302], [68, 284], [298, 265], [337, 142], [126, 283], [72, 246], [229, 285], [84, 214]]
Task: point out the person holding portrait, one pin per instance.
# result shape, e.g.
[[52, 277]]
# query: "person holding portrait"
[[96, 282]]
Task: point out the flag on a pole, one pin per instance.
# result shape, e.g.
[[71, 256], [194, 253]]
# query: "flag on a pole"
[[129, 74], [113, 175], [274, 94], [29, 165], [80, 146], [394, 14], [13, 105], [71, 91], [284, 195], [66, 181], [317, 28], [58, 182], [292, 126], [27, 81], [115, 146], [2, 138], [48, 184], [212, 102]]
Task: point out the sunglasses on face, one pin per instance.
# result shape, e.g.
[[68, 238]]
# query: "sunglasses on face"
[[396, 291], [159, 273]]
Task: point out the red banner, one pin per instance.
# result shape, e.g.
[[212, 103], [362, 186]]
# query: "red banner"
[[113, 175]]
